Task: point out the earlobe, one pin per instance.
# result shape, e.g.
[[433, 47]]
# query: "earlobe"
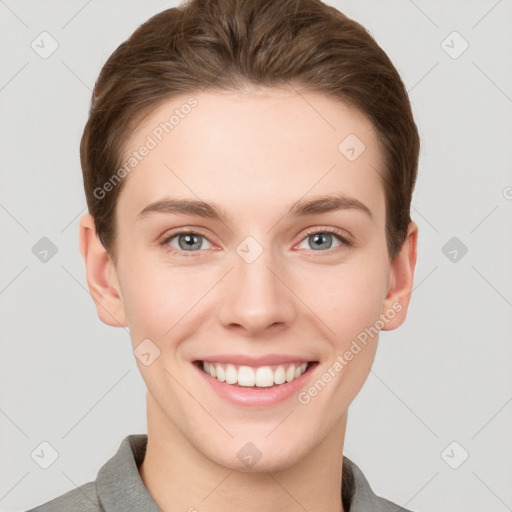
[[101, 272], [401, 281]]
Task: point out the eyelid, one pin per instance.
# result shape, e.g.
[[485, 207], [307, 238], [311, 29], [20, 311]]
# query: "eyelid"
[[342, 234], [345, 238], [183, 231]]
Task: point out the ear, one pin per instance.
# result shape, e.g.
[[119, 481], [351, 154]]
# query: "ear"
[[101, 275], [401, 276]]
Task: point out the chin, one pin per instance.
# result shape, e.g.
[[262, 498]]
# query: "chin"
[[270, 464], [255, 454]]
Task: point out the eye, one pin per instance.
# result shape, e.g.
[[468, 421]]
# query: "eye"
[[322, 240], [317, 240], [188, 241]]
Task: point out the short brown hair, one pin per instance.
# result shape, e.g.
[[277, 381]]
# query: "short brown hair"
[[228, 44]]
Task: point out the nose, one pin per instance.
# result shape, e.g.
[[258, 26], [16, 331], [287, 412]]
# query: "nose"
[[255, 296]]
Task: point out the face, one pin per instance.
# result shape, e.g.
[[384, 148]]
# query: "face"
[[271, 280]]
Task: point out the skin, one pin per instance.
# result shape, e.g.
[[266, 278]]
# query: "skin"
[[253, 153]]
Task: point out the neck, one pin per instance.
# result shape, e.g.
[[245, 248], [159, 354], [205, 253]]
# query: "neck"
[[180, 477]]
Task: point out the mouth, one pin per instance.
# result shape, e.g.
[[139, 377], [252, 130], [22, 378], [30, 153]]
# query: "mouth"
[[255, 377]]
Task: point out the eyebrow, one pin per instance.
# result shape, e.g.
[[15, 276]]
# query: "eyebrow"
[[301, 208]]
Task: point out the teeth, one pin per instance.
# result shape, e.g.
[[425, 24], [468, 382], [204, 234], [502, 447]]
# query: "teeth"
[[231, 374], [290, 373], [246, 376], [279, 375], [262, 377], [221, 374]]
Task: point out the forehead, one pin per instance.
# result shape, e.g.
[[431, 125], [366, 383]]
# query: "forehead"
[[241, 148]]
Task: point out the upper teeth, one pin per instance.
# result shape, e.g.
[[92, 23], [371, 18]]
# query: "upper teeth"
[[262, 376]]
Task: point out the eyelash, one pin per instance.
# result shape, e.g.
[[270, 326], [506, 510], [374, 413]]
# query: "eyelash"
[[345, 243]]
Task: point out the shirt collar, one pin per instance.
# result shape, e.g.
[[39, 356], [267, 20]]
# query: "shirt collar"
[[120, 486]]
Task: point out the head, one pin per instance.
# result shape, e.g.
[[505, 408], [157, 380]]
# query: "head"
[[279, 139]]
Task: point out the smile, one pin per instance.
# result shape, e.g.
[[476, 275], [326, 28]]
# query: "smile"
[[260, 376]]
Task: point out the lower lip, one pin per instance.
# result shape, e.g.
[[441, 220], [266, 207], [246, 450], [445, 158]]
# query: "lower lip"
[[252, 397]]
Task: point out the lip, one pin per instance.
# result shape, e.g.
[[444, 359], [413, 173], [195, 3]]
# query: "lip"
[[251, 397], [267, 360]]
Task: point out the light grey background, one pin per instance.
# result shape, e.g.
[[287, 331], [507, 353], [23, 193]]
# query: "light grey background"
[[444, 376]]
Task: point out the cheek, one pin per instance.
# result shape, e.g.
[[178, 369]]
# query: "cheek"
[[165, 303], [350, 305], [347, 298], [156, 296]]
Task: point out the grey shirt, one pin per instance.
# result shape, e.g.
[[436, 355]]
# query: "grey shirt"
[[119, 487]]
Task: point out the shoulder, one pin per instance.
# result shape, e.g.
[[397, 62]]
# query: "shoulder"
[[361, 496], [118, 485], [83, 498]]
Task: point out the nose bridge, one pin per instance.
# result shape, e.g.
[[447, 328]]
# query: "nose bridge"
[[256, 298]]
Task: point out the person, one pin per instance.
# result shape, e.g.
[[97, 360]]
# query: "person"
[[248, 168]]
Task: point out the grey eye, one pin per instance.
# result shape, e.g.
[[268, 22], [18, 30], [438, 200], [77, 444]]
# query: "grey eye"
[[188, 241], [321, 241]]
